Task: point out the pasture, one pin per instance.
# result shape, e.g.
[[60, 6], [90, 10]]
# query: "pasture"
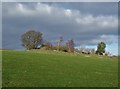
[[57, 69]]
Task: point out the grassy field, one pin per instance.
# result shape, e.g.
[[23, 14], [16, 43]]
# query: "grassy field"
[[54, 69], [0, 68]]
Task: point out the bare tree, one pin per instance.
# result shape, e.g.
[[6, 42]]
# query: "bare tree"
[[60, 42], [31, 39], [70, 45], [47, 45]]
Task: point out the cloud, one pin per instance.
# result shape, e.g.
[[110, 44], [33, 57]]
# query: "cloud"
[[62, 1], [0, 26], [54, 21], [106, 38]]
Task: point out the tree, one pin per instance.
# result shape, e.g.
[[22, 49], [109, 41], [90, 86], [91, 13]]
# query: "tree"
[[60, 42], [70, 45], [101, 48], [92, 51], [31, 39], [47, 45]]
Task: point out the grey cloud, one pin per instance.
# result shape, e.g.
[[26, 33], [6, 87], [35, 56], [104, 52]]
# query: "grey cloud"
[[61, 1], [96, 8], [0, 25], [54, 21]]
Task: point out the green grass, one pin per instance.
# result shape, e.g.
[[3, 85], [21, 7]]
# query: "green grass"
[[56, 69], [0, 68]]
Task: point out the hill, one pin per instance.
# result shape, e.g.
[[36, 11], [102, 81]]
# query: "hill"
[[57, 69]]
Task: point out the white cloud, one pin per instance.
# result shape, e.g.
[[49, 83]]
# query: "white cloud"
[[43, 8], [68, 12], [20, 7], [107, 21]]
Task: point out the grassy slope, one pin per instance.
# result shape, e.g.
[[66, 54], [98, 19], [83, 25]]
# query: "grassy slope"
[[45, 69], [0, 68]]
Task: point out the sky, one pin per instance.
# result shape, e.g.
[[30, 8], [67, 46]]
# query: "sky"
[[87, 23]]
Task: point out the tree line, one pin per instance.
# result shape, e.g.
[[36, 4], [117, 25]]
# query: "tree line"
[[34, 40]]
